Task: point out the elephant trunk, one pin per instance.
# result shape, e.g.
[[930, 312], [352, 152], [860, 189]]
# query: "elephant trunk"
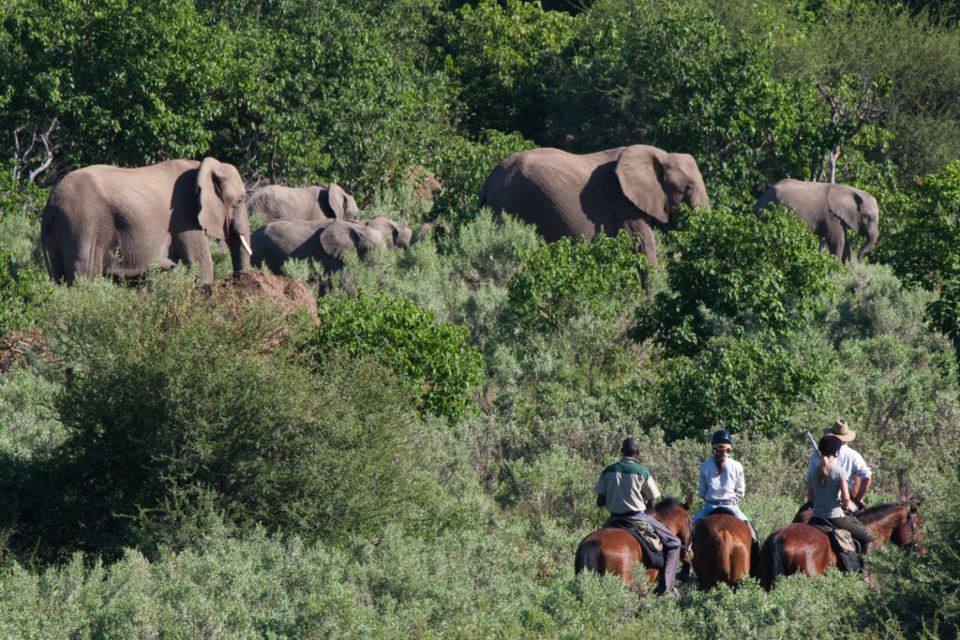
[[698, 198], [239, 243], [872, 234]]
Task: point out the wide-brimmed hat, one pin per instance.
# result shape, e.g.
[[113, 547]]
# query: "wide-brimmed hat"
[[842, 430]]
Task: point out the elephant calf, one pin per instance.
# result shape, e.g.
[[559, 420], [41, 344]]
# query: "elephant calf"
[[566, 194], [828, 209], [319, 202], [326, 241]]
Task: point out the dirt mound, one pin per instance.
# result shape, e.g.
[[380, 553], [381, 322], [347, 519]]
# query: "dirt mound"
[[21, 348], [289, 296]]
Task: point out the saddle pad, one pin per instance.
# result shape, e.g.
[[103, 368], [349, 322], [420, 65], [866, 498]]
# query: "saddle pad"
[[844, 546], [646, 535]]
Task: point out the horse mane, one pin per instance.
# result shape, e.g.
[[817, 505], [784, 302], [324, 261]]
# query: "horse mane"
[[666, 503], [879, 512]]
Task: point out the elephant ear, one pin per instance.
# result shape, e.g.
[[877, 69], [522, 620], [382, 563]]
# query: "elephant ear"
[[212, 213], [338, 238], [845, 203], [337, 201], [640, 173]]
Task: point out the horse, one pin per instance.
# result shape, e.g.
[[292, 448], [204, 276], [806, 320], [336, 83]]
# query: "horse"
[[723, 550], [616, 551], [803, 548]]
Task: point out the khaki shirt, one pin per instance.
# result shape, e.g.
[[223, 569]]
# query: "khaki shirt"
[[626, 486]]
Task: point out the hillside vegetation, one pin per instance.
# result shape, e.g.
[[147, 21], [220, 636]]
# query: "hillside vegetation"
[[182, 463]]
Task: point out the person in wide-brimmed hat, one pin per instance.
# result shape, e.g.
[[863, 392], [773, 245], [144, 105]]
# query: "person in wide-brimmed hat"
[[858, 474]]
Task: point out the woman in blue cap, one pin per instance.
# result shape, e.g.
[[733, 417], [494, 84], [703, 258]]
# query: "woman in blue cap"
[[721, 479]]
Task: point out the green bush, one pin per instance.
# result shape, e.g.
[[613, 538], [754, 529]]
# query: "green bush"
[[669, 74], [21, 291], [736, 274], [565, 279], [463, 165], [434, 359], [502, 55], [185, 415], [753, 384]]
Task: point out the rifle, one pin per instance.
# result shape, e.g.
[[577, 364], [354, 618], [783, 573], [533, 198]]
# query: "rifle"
[[816, 450]]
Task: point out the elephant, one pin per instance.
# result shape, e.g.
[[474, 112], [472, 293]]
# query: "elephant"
[[827, 209], [159, 214], [277, 202], [395, 234], [566, 194], [326, 241]]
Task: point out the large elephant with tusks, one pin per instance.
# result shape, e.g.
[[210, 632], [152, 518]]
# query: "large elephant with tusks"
[[105, 220], [566, 194]]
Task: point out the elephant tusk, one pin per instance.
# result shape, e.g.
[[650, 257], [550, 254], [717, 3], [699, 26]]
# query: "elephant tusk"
[[246, 246]]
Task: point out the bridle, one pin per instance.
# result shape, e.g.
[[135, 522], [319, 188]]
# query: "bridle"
[[912, 517], [685, 548]]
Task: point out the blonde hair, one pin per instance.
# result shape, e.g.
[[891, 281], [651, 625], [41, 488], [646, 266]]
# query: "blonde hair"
[[824, 469]]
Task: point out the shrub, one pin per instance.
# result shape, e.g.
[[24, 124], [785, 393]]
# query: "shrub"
[[669, 74], [434, 359], [736, 274], [22, 290], [502, 55], [565, 279], [755, 384], [185, 415], [463, 165]]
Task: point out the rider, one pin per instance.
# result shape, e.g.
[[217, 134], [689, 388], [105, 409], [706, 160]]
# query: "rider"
[[828, 491], [858, 473], [721, 482], [721, 479], [628, 490]]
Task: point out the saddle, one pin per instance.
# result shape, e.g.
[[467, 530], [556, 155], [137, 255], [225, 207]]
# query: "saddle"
[[645, 534], [846, 549]]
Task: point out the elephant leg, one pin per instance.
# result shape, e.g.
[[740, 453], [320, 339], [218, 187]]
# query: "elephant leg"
[[835, 242], [643, 230], [846, 252], [192, 248]]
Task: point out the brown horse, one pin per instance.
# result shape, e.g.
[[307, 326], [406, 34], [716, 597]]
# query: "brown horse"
[[723, 550], [803, 548], [617, 551]]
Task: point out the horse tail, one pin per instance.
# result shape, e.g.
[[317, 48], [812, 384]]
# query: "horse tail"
[[773, 566], [589, 558]]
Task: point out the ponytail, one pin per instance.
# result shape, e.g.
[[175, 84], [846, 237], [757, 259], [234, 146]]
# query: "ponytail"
[[824, 470]]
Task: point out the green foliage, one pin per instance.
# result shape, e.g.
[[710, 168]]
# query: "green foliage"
[[127, 80], [752, 384], [22, 290], [669, 74], [463, 165], [736, 274], [565, 279], [432, 357], [502, 55], [923, 241], [184, 415]]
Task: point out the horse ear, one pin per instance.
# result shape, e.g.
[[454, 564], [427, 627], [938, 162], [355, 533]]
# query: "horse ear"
[[688, 503]]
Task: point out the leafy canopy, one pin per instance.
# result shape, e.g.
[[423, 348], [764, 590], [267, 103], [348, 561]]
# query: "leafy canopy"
[[736, 273], [433, 358]]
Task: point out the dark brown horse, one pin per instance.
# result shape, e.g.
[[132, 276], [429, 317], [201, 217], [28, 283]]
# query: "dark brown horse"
[[802, 548], [616, 551], [722, 550]]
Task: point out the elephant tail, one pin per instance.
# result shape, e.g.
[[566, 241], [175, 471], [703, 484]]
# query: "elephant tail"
[[52, 252]]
